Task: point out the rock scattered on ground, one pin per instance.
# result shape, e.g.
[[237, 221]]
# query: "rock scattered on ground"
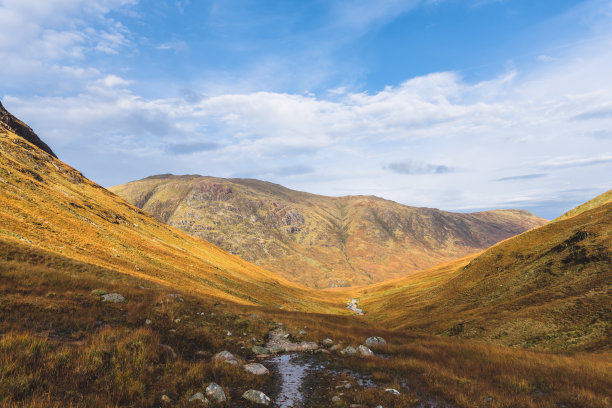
[[165, 399], [349, 351], [335, 398], [259, 350], [198, 396], [335, 347], [215, 393], [327, 342], [392, 391], [364, 351], [113, 298], [375, 341], [256, 369], [225, 357], [278, 342], [256, 397]]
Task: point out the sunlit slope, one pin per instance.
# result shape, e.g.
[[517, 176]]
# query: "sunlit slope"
[[47, 204], [317, 240], [595, 202], [549, 287]]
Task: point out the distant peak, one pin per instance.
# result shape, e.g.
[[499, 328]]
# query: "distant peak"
[[11, 123]]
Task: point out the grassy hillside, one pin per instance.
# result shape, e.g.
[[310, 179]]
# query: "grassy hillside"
[[61, 346], [595, 202], [49, 205], [547, 288], [316, 240]]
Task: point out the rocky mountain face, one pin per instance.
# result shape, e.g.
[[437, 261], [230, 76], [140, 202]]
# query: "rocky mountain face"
[[10, 123], [317, 240]]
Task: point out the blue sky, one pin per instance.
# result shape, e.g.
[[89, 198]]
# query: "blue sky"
[[455, 104]]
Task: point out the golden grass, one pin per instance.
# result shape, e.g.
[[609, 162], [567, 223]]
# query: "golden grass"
[[61, 346], [51, 206], [547, 288]]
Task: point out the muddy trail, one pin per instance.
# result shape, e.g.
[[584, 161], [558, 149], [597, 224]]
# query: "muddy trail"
[[308, 376]]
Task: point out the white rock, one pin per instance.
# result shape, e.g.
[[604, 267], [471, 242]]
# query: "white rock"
[[113, 297], [215, 392], [392, 391], [225, 357], [375, 340], [256, 397], [256, 369], [364, 351]]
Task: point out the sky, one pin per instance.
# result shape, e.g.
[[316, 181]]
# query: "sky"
[[462, 105]]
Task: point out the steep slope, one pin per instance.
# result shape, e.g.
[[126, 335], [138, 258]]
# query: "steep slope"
[[10, 123], [49, 205], [549, 288], [316, 240]]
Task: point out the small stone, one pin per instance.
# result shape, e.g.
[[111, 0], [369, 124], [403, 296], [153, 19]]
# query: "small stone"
[[256, 397], [260, 350], [286, 335], [327, 342], [364, 351], [225, 357], [375, 341], [335, 398], [177, 320], [198, 396], [302, 332], [148, 321], [215, 392], [392, 391], [113, 297], [165, 399], [335, 347], [229, 333], [256, 369], [349, 351]]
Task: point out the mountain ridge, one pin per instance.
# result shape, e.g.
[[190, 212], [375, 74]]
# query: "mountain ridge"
[[319, 240]]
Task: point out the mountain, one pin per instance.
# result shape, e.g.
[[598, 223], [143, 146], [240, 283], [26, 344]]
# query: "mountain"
[[48, 205], [317, 240], [11, 124], [546, 288]]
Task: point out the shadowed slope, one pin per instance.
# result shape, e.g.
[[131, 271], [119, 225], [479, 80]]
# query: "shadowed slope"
[[317, 240], [47, 204], [548, 288]]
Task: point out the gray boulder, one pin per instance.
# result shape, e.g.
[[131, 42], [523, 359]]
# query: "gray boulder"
[[260, 350], [215, 393], [198, 396], [256, 369], [256, 397], [113, 298], [327, 342], [375, 341], [349, 351], [364, 351], [225, 357]]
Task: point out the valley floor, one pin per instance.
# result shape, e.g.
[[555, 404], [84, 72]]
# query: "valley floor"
[[62, 346]]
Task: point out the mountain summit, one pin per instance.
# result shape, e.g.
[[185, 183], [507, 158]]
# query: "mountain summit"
[[317, 240]]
